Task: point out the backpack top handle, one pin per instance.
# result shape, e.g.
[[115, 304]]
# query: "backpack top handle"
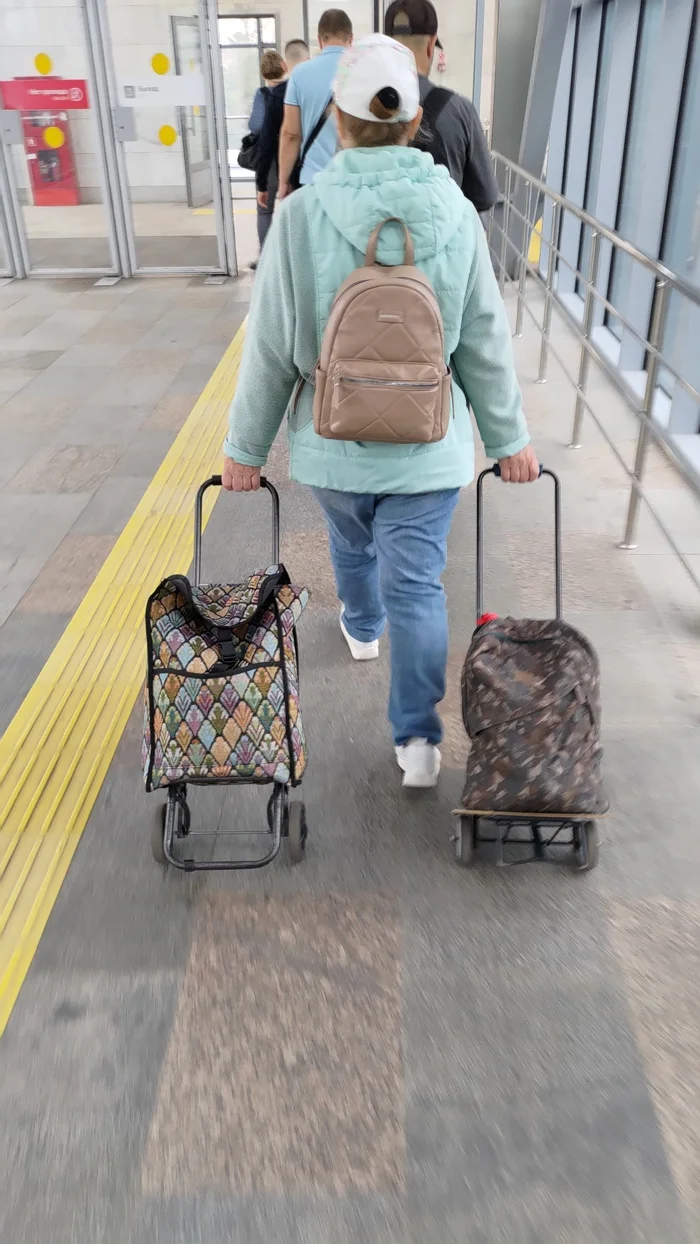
[[409, 257]]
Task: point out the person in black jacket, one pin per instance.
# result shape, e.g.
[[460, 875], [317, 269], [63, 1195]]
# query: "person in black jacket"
[[266, 162], [451, 129], [273, 71], [266, 179]]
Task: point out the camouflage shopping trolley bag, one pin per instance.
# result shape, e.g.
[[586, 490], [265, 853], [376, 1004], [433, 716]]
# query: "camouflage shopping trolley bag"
[[531, 706]]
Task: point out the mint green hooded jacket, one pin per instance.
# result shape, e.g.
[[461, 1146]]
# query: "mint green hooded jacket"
[[318, 237]]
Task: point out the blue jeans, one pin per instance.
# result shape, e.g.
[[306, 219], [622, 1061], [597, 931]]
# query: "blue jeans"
[[389, 553]]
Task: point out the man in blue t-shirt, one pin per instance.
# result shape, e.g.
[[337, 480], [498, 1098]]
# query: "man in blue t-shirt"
[[309, 92]]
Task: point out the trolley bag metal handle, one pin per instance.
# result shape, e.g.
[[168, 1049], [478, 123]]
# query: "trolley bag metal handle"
[[496, 470], [215, 482]]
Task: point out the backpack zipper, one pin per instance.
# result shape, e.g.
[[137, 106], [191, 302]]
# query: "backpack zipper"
[[367, 381]]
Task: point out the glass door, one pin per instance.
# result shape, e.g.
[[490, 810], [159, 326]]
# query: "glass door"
[[55, 183], [165, 122], [242, 41]]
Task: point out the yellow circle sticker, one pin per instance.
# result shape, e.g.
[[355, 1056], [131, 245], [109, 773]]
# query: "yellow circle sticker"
[[54, 136], [167, 135], [160, 63], [43, 63]]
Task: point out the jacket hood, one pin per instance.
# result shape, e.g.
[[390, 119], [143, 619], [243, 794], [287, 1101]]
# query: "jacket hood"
[[364, 185]]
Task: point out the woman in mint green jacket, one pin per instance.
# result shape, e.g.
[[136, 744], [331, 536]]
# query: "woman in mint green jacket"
[[388, 507]]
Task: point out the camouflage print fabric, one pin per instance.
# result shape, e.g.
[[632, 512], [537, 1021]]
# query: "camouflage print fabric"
[[531, 707], [222, 692]]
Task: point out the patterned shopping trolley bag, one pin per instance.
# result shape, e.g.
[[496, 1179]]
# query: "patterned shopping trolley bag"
[[222, 691]]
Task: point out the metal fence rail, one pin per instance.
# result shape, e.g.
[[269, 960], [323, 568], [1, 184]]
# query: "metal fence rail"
[[510, 228]]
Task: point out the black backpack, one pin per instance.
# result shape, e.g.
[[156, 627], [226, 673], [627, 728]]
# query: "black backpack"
[[250, 143], [427, 138], [248, 154]]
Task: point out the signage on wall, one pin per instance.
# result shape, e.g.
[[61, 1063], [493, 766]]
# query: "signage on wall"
[[177, 90], [44, 94]]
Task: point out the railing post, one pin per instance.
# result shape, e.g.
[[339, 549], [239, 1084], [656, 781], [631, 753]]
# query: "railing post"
[[656, 331], [489, 228], [522, 275], [585, 363], [549, 293], [505, 225]]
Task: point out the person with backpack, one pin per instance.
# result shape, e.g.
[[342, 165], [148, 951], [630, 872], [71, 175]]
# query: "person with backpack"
[[266, 175], [309, 139], [376, 316], [451, 129], [273, 71]]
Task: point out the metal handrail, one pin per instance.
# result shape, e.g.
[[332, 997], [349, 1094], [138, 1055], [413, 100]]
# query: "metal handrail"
[[606, 305], [672, 278], [665, 283]]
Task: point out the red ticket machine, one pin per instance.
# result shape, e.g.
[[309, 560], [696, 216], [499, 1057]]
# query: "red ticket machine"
[[43, 103], [50, 159]]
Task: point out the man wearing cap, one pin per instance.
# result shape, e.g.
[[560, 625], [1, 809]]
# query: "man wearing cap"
[[456, 137]]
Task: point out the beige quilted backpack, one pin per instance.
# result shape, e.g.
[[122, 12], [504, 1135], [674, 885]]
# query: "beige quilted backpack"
[[382, 374]]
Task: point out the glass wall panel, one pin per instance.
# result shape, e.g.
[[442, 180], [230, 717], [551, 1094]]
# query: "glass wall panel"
[[57, 161], [160, 82], [681, 251]]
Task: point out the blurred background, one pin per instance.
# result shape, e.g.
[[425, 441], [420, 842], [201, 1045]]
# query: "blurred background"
[[378, 1047]]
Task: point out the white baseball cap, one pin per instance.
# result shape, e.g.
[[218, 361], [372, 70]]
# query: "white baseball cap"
[[370, 66]]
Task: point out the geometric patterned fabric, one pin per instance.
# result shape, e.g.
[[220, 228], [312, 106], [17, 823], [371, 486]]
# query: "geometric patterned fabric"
[[240, 723]]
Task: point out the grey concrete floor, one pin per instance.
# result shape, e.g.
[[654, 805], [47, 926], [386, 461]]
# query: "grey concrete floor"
[[152, 252], [95, 383], [378, 1046]]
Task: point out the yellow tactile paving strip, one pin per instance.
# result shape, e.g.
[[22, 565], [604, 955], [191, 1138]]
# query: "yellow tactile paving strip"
[[57, 749]]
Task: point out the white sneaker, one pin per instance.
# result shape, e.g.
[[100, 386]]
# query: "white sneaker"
[[360, 651], [420, 761]]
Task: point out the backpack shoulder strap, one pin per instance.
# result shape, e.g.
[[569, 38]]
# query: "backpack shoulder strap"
[[435, 102], [428, 139], [316, 130]]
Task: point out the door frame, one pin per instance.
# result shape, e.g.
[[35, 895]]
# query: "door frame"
[[7, 269], [12, 242], [219, 146]]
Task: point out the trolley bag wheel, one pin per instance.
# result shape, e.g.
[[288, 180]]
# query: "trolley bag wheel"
[[465, 840], [158, 833], [297, 831], [586, 846]]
